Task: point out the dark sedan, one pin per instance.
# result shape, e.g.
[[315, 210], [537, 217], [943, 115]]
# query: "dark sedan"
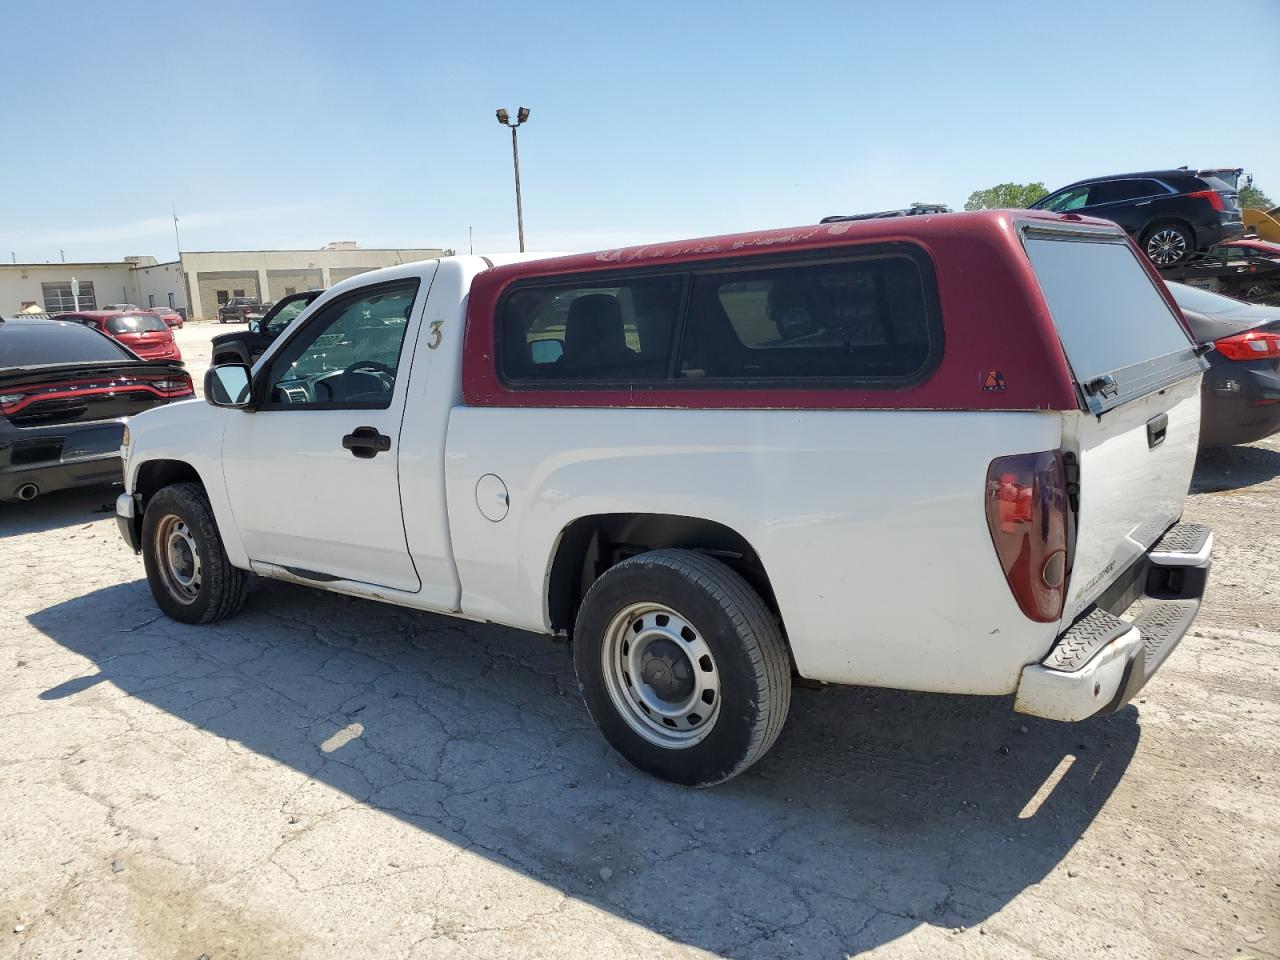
[[65, 392], [1240, 393]]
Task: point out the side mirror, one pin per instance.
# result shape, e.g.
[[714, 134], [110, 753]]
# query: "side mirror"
[[227, 386], [255, 326], [546, 351]]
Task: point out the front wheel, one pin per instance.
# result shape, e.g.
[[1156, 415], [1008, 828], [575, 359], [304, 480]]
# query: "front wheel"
[[682, 666], [1168, 244], [187, 568]]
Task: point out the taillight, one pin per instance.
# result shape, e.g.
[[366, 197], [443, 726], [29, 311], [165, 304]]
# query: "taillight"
[[175, 387], [1214, 198], [1026, 501], [1252, 345]]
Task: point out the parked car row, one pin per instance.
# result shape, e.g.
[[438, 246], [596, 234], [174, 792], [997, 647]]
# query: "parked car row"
[[66, 390]]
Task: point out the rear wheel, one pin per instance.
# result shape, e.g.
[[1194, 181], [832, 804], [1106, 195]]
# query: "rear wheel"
[[682, 666], [187, 568], [1168, 243]]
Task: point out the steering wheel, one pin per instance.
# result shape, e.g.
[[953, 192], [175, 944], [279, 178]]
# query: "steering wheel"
[[380, 370]]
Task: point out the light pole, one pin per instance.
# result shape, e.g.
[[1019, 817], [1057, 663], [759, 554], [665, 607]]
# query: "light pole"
[[505, 119]]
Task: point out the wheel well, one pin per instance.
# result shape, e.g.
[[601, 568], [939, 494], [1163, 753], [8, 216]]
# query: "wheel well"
[[591, 545], [157, 474]]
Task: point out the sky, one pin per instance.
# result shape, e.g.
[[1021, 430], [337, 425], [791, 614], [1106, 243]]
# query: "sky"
[[282, 125]]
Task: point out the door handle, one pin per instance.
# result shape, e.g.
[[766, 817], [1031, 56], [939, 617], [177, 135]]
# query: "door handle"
[[1157, 427], [366, 442]]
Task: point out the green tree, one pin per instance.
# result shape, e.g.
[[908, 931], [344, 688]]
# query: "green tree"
[[1251, 196], [1004, 196]]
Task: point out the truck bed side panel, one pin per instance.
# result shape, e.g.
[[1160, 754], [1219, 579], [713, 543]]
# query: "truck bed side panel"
[[870, 524]]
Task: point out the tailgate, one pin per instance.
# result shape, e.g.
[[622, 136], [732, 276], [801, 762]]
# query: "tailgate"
[[1136, 434]]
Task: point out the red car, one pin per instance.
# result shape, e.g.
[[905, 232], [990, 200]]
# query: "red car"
[[170, 316], [142, 332]]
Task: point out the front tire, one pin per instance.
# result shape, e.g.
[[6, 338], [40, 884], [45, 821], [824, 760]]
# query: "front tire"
[[682, 666], [1168, 244], [187, 567]]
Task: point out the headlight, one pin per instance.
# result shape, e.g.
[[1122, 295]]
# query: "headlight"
[[125, 440]]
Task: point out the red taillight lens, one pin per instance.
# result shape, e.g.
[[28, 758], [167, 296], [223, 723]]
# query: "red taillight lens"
[[1026, 501], [1252, 345], [1214, 198]]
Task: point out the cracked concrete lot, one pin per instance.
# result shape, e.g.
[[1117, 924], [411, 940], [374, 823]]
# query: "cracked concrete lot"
[[328, 777]]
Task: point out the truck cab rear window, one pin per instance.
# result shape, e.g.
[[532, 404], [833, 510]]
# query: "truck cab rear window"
[[865, 320]]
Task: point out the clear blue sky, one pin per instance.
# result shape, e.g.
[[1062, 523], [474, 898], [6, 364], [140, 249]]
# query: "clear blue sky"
[[292, 124]]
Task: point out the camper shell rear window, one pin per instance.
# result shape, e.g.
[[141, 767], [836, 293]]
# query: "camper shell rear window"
[[1121, 337]]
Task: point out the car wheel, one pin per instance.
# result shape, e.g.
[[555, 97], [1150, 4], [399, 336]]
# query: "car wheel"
[[187, 568], [1168, 244], [682, 666]]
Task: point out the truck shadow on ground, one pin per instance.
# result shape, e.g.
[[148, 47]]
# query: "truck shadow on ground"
[[1230, 468], [57, 510], [876, 811]]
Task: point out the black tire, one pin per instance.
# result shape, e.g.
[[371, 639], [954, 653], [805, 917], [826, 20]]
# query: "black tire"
[[219, 589], [750, 657], [1168, 243]]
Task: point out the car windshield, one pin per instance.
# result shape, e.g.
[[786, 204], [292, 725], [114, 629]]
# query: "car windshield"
[[284, 316], [135, 323]]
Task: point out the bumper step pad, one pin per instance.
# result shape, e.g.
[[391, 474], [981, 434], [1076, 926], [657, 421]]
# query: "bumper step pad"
[[1086, 636], [1160, 622], [1185, 544]]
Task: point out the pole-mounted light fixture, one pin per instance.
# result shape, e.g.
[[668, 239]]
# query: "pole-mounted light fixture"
[[504, 118]]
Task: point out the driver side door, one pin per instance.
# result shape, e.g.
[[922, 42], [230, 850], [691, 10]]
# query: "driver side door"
[[311, 471]]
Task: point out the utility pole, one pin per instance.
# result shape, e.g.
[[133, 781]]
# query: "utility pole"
[[177, 242], [504, 118]]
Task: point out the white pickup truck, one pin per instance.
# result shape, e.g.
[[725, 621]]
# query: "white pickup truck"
[[944, 453]]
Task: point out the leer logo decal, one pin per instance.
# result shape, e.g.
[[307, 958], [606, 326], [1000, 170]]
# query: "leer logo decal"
[[994, 382]]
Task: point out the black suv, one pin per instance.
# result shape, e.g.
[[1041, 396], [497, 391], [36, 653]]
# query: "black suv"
[[246, 346], [1171, 213]]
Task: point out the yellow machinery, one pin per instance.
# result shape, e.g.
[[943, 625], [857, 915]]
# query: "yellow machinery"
[[1265, 223]]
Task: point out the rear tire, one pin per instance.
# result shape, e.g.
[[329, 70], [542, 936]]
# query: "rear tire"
[[1169, 243], [682, 666], [187, 568]]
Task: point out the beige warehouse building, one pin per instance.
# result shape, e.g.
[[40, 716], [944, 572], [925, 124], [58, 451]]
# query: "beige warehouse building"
[[195, 284]]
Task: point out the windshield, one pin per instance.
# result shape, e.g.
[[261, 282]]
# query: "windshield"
[[284, 316], [136, 323]]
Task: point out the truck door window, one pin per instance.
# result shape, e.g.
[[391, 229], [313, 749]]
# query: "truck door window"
[[607, 331], [347, 355]]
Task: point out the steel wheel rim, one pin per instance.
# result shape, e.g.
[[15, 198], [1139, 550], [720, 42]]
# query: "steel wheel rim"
[[178, 559], [661, 675], [1166, 246]]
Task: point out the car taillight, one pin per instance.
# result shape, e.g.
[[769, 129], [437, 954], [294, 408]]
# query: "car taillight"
[[1251, 345], [175, 387], [1214, 198], [1026, 502]]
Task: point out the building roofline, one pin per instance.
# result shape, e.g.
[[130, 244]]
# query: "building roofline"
[[77, 263]]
